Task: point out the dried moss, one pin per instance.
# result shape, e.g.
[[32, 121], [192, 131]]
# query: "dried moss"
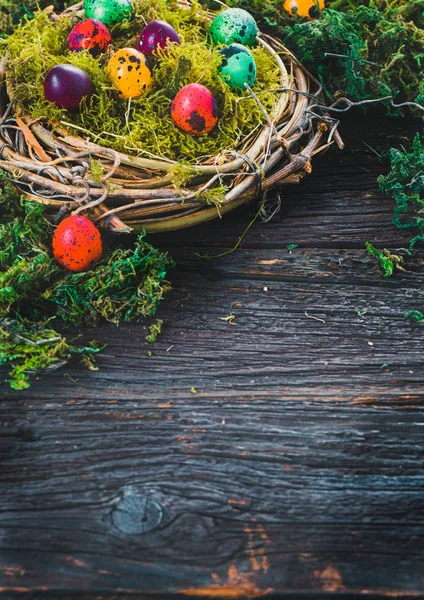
[[145, 124]]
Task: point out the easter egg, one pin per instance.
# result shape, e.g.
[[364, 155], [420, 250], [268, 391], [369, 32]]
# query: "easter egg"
[[109, 12], [234, 25], [66, 86], [157, 34], [129, 72], [304, 8], [77, 244], [194, 110], [89, 35], [238, 66]]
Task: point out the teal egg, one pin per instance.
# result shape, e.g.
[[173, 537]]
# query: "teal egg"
[[238, 66], [109, 12], [234, 25]]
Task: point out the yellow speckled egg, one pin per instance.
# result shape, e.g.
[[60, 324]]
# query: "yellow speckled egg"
[[129, 71], [304, 8]]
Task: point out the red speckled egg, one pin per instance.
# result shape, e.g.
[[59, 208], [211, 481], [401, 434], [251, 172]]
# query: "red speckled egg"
[[195, 110], [77, 244], [66, 86], [89, 35], [157, 34]]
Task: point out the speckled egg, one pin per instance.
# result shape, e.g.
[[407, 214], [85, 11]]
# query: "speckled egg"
[[234, 25], [194, 110], [77, 244], [89, 35], [109, 12], [304, 8], [238, 66], [157, 34], [66, 86], [129, 72]]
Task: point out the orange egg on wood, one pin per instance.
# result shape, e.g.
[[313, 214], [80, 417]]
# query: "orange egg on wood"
[[304, 8], [77, 244]]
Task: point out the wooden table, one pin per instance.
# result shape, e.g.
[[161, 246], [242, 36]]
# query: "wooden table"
[[279, 451]]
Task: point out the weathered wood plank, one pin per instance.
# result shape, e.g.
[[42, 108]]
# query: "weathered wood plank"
[[295, 466]]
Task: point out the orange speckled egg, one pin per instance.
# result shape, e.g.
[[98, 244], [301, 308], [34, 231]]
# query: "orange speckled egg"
[[304, 8], [194, 109], [77, 244], [129, 71]]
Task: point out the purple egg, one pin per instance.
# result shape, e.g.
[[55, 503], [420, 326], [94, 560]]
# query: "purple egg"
[[66, 86], [157, 34]]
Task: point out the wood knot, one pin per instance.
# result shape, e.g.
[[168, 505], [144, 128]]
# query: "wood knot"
[[137, 514], [27, 434]]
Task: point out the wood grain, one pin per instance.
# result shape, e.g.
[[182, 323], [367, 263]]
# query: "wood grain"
[[280, 454]]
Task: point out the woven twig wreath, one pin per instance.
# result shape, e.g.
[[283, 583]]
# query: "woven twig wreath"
[[50, 165]]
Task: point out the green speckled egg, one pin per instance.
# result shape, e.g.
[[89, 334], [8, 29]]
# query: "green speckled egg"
[[238, 66], [234, 25], [109, 12]]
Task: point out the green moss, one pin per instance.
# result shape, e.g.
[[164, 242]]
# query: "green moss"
[[154, 331], [214, 196], [388, 261], [415, 315], [126, 286], [30, 348], [38, 45], [181, 174], [378, 49], [405, 183]]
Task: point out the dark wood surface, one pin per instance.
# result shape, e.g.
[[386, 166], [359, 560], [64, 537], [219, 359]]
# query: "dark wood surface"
[[279, 454]]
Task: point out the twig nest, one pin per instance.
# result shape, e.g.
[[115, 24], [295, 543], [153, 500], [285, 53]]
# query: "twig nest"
[[129, 72], [90, 35], [234, 25], [194, 110], [134, 169], [67, 85]]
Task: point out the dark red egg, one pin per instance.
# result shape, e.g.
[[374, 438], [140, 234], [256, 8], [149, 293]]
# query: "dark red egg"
[[89, 35], [157, 34], [66, 86], [194, 109], [77, 244]]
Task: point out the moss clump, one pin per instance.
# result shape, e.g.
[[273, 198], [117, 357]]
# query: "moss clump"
[[32, 347], [374, 49], [145, 124], [154, 331], [405, 183], [214, 196], [126, 286], [388, 261]]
